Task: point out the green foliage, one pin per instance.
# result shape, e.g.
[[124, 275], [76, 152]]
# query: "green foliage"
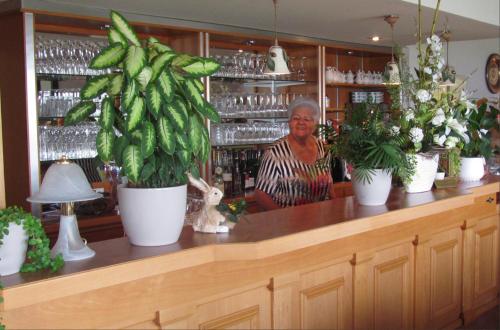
[[232, 210], [481, 123], [152, 119], [38, 255], [367, 142]]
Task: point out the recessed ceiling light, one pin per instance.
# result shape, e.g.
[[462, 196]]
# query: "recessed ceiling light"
[[375, 38], [240, 50], [250, 42], [350, 52]]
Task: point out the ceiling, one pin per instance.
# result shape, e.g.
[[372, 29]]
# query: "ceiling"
[[353, 21]]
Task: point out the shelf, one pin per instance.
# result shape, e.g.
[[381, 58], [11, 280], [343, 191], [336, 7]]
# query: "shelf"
[[345, 85], [262, 79], [330, 109], [285, 116]]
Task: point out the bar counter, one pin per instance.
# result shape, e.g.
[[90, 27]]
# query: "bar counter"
[[419, 261]]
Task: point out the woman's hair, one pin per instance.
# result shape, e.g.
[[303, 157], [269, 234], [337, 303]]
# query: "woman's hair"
[[304, 102]]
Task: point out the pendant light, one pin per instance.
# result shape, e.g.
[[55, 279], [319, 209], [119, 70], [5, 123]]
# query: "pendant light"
[[391, 68], [448, 74], [277, 60]]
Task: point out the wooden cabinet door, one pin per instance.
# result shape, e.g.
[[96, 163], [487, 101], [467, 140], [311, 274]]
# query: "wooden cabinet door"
[[383, 288], [438, 280], [480, 287], [246, 310], [314, 298]]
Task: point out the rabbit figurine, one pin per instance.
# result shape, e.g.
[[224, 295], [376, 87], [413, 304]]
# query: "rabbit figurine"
[[209, 219]]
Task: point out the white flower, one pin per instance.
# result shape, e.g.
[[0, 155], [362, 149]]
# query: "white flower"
[[470, 105], [435, 38], [395, 130], [458, 128], [427, 70], [416, 135], [463, 96], [423, 95], [484, 131], [439, 118], [440, 65], [451, 142], [409, 115], [436, 76], [439, 140]]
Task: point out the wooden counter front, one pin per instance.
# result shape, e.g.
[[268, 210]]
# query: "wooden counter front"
[[420, 261]]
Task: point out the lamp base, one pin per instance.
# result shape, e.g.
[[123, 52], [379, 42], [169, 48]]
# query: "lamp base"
[[69, 243]]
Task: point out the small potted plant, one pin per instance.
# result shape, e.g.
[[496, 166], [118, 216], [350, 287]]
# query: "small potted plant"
[[481, 122], [23, 244], [152, 125], [373, 147]]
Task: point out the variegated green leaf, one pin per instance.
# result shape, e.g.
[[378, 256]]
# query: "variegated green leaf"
[[205, 147], [182, 60], [210, 112], [135, 61], [147, 171], [107, 117], [182, 141], [109, 56], [148, 143], [122, 26], [165, 84], [136, 137], [153, 100], [79, 112], [129, 94], [201, 67], [177, 113], [194, 133], [160, 62], [94, 87], [104, 143], [199, 85], [116, 37], [115, 85], [119, 145], [184, 156], [144, 77], [166, 134], [161, 48], [132, 162], [136, 114], [199, 103]]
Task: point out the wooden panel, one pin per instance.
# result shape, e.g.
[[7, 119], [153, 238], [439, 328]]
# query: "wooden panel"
[[438, 299], [14, 113], [247, 310], [383, 288], [480, 285], [326, 298]]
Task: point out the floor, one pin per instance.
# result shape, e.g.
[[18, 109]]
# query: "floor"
[[487, 321]]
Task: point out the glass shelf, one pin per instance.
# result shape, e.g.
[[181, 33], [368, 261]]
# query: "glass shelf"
[[253, 78], [346, 85]]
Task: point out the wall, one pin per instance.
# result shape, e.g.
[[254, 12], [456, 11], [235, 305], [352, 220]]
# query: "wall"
[[467, 56]]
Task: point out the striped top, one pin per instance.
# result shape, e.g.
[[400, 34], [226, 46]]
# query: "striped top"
[[289, 181]]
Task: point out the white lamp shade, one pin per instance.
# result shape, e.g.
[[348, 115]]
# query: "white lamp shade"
[[276, 61], [392, 73], [64, 183]]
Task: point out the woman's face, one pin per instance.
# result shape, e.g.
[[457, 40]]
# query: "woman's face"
[[302, 123]]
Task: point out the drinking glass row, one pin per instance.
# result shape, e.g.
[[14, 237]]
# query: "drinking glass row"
[[253, 105], [66, 56], [57, 102], [248, 133], [250, 65], [73, 141]]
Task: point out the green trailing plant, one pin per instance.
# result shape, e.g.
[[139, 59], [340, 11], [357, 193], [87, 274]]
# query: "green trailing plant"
[[481, 122], [38, 256], [368, 143], [233, 209], [152, 118]]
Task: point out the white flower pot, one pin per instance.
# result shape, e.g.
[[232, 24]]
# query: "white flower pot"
[[471, 169], [374, 193], [152, 216], [425, 173], [13, 250]]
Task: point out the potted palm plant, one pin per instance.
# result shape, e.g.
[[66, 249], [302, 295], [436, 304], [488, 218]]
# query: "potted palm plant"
[[152, 125], [481, 122], [373, 147]]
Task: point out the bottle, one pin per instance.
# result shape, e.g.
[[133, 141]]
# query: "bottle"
[[237, 178], [227, 175], [249, 179], [218, 181]]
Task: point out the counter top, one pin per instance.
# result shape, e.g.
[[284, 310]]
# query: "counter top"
[[255, 236]]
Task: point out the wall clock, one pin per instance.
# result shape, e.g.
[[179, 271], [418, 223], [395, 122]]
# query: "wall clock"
[[492, 73]]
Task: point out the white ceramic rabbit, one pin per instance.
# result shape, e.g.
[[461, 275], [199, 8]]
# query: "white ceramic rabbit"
[[209, 219]]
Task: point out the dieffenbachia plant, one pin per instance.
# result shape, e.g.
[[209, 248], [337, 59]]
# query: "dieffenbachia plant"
[[152, 118]]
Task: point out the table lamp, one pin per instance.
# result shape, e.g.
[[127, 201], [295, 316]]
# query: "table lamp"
[[65, 183]]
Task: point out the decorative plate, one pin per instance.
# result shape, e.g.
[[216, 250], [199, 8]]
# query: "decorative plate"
[[492, 73]]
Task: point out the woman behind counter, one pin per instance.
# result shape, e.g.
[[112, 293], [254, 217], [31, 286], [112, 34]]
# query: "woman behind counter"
[[296, 169]]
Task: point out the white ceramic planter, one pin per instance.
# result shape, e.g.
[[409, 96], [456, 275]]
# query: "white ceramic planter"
[[374, 193], [13, 250], [471, 169], [152, 217], [425, 173]]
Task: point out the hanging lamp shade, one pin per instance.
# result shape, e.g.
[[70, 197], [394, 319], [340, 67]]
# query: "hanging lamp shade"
[[277, 60], [391, 73]]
